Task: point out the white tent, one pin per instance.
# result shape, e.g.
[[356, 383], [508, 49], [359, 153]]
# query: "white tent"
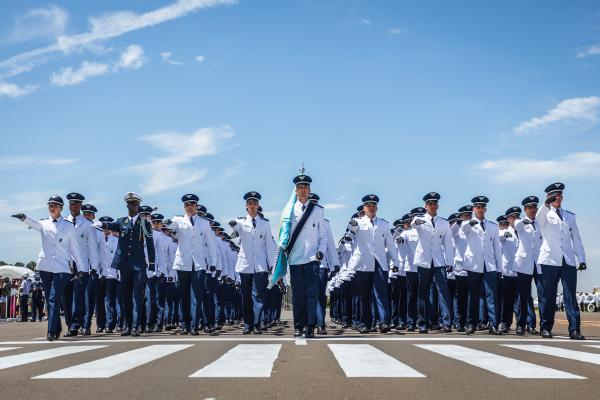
[[13, 272]]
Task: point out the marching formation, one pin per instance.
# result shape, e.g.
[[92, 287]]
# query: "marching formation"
[[146, 273]]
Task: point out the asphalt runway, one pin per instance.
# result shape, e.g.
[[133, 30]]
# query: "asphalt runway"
[[341, 365]]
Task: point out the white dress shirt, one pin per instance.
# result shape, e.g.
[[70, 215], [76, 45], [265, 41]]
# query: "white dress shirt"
[[483, 247], [561, 238], [109, 245], [530, 242], [435, 242], [407, 249], [257, 247], [86, 240], [373, 241], [509, 249], [195, 243], [312, 238], [59, 246]]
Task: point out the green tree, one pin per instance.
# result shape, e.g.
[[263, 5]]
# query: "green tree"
[[31, 265], [19, 264], [3, 263]]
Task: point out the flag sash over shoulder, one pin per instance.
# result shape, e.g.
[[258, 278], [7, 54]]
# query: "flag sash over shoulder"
[[285, 230]]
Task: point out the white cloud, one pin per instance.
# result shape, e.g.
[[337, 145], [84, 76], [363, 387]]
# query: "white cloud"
[[69, 76], [106, 26], [577, 109], [12, 90], [590, 51], [166, 58], [200, 59], [175, 169], [45, 22], [575, 165], [132, 58], [396, 31], [17, 162], [365, 21], [334, 206]]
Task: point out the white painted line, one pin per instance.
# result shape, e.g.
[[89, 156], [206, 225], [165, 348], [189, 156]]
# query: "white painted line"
[[592, 358], [28, 358], [505, 366], [243, 361], [9, 348], [592, 345], [365, 361], [301, 342], [110, 366]]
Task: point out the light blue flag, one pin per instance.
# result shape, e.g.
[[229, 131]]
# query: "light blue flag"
[[285, 232]]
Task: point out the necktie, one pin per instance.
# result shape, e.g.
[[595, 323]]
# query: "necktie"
[[482, 225], [74, 220], [303, 207], [254, 223], [55, 220], [192, 220], [533, 224], [433, 222], [372, 223], [559, 213]]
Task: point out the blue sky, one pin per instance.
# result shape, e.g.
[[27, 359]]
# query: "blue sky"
[[217, 98]]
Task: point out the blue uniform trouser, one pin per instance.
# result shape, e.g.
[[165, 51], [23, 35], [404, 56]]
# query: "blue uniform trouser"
[[438, 274], [322, 304], [90, 300], [100, 306], [461, 298], [398, 300], [346, 289], [508, 299], [254, 293], [120, 305], [133, 285], [192, 291], [434, 317], [568, 278], [67, 303], [539, 286], [207, 307], [171, 303], [110, 302], [355, 300], [54, 288], [486, 281], [364, 280], [412, 295], [304, 279], [380, 293], [151, 302], [79, 301], [161, 288], [37, 306]]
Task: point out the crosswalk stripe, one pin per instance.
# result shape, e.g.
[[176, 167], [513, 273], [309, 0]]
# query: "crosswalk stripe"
[[505, 366], [592, 358], [35, 356], [243, 361], [113, 365], [366, 361], [9, 348]]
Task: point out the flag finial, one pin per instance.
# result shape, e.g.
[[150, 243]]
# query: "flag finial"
[[301, 170]]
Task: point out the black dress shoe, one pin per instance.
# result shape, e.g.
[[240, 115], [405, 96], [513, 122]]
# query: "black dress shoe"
[[135, 333], [546, 334], [158, 329], [469, 330], [364, 330], [126, 332], [576, 335], [520, 331], [298, 332], [195, 333], [257, 332], [384, 328], [99, 330], [460, 329], [446, 329], [108, 330], [423, 330], [494, 331], [401, 327], [72, 333], [321, 331], [50, 337], [248, 331], [87, 332], [411, 328], [184, 332], [533, 331], [310, 333]]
